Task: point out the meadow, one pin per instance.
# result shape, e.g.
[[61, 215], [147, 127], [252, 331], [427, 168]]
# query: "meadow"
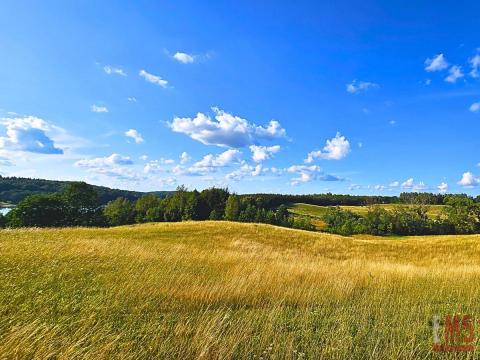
[[224, 290]]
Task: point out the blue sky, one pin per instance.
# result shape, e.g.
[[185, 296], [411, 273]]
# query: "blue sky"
[[364, 97]]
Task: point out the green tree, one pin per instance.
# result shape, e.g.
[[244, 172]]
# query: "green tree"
[[232, 208], [463, 213], [3, 221], [143, 205], [82, 206], [119, 212], [45, 210]]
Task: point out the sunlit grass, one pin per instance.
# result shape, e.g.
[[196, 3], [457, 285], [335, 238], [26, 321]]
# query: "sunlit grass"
[[228, 290]]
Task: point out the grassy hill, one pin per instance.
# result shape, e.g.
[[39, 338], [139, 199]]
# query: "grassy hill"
[[228, 290]]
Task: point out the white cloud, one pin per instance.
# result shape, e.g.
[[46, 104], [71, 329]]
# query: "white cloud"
[[454, 74], [475, 64], [226, 129], [184, 158], [308, 173], [29, 134], [336, 149], [144, 157], [358, 86], [409, 184], [154, 79], [245, 171], [437, 63], [135, 135], [111, 166], [108, 161], [153, 167], [210, 163], [394, 184], [114, 70], [132, 99], [475, 107], [262, 153], [184, 58], [98, 109], [442, 187], [469, 180]]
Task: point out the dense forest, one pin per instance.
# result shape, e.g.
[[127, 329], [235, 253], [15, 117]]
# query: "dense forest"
[[78, 204], [15, 189], [81, 204]]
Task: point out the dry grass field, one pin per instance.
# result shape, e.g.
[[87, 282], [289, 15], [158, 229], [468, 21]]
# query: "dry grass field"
[[221, 290]]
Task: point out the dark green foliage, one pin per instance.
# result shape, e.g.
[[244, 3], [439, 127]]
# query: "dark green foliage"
[[343, 222], [143, 205], [3, 221], [81, 204], [119, 212], [464, 214], [45, 210], [232, 208], [15, 189]]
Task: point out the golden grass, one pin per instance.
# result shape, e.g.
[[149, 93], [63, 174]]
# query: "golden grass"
[[221, 290]]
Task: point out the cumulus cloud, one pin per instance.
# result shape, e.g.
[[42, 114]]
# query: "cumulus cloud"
[[454, 74], [394, 184], [336, 149], [114, 70], [469, 180], [408, 184], [226, 129], [262, 153], [436, 63], [29, 134], [184, 58], [98, 109], [358, 86], [309, 173], [442, 187], [475, 107], [154, 79], [210, 163], [135, 135]]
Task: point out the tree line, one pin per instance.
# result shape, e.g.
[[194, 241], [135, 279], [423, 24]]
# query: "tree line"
[[461, 215], [78, 205]]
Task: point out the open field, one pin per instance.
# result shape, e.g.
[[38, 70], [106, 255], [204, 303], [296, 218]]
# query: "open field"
[[316, 212], [220, 290]]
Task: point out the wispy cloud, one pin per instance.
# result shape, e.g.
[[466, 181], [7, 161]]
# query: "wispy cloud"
[[184, 58], [358, 86], [154, 79], [436, 63], [114, 70], [98, 109], [454, 73]]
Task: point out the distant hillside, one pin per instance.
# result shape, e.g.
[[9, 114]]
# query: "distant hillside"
[[15, 189]]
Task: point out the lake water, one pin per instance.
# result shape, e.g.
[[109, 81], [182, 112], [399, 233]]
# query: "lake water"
[[4, 210]]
